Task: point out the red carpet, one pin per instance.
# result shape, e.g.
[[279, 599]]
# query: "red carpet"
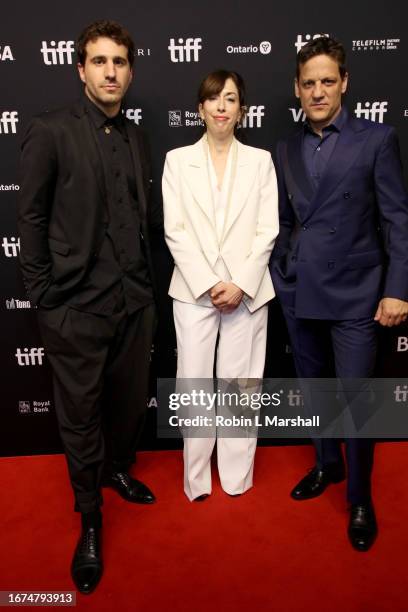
[[256, 552]]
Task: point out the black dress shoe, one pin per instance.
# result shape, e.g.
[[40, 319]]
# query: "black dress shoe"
[[129, 488], [362, 529], [87, 567], [316, 481]]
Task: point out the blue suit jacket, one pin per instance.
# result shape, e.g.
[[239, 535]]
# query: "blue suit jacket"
[[343, 247]]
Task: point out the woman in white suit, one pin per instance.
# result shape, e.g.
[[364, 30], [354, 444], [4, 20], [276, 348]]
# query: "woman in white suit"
[[221, 221]]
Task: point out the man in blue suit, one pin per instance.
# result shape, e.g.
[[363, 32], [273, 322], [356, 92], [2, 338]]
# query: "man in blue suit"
[[340, 267]]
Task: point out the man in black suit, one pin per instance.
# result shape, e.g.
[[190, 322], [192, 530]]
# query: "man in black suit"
[[84, 220]]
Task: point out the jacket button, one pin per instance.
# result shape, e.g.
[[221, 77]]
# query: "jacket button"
[[347, 195], [304, 228], [330, 265], [294, 258], [332, 230]]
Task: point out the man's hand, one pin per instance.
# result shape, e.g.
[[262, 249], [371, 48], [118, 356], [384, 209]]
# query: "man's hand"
[[391, 311], [226, 296]]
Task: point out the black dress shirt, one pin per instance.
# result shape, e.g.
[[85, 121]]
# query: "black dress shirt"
[[317, 150], [118, 276]]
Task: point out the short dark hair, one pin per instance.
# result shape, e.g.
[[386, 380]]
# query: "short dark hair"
[[323, 45], [214, 83], [107, 29]]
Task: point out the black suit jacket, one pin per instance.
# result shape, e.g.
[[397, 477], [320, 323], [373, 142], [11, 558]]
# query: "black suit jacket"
[[62, 214]]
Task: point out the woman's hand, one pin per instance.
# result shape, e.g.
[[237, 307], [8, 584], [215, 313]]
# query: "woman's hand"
[[226, 296]]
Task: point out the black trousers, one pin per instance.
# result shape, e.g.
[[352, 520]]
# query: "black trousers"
[[100, 375], [350, 348]]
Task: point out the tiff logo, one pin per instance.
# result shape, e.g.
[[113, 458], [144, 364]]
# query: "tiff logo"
[[401, 393], [6, 54], [11, 247], [134, 114], [253, 117], [295, 397], [57, 53], [185, 52], [402, 344], [8, 122], [297, 114], [301, 43], [373, 111], [33, 356]]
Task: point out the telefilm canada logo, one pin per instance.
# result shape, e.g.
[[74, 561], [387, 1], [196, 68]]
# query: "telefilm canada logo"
[[8, 122], [264, 48], [376, 44], [373, 111], [6, 54], [187, 50], [11, 246], [57, 52], [15, 304], [302, 39]]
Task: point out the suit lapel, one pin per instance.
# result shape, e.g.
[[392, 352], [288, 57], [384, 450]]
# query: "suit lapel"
[[196, 173], [135, 152], [348, 147], [245, 174], [297, 169], [89, 147]]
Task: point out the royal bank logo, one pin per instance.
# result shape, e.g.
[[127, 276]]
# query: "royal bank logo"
[[60, 52], [175, 118], [24, 407], [263, 47], [297, 114], [11, 187], [185, 51], [36, 407], [376, 44], [303, 39], [14, 304], [134, 115], [8, 122], [402, 344], [41, 407], [30, 356], [6, 54], [178, 118], [374, 111], [11, 247], [253, 117]]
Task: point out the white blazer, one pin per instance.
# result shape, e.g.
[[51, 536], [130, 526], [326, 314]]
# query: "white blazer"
[[250, 228]]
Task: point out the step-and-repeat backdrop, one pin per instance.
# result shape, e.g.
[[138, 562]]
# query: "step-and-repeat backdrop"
[[177, 44]]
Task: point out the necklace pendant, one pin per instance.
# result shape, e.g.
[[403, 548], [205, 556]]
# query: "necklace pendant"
[[107, 129]]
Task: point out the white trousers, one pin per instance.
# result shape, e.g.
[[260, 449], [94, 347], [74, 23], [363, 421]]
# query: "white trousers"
[[240, 354]]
